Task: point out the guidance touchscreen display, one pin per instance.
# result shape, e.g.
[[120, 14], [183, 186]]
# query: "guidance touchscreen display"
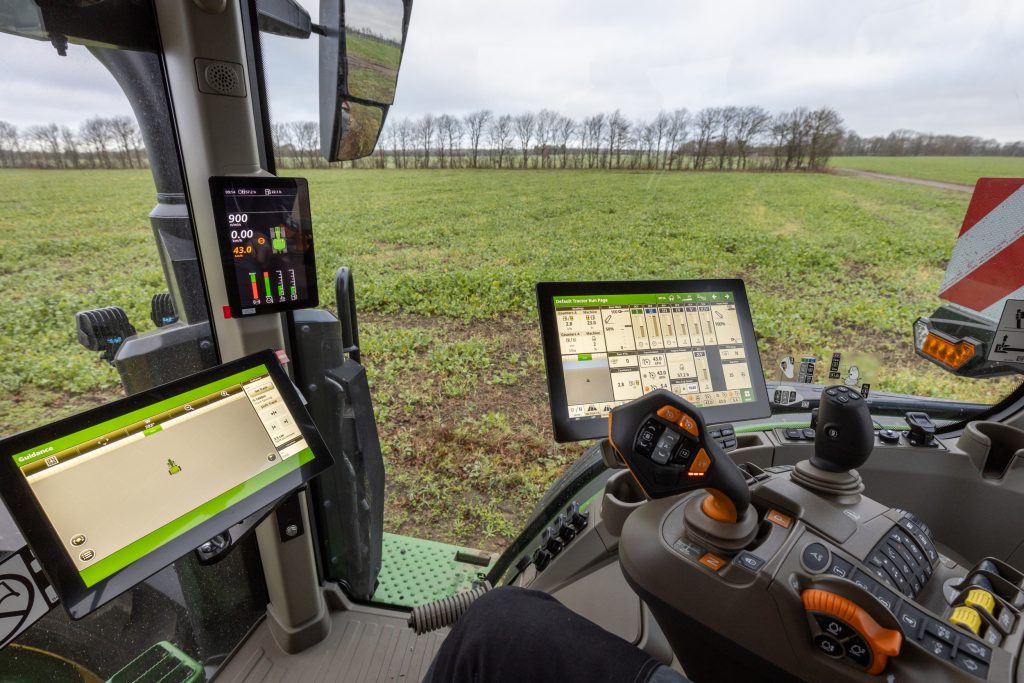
[[182, 460], [125, 490], [265, 234], [608, 347]]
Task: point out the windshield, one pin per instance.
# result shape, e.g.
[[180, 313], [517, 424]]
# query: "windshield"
[[826, 156]]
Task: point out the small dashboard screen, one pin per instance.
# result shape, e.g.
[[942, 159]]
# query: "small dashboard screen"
[[615, 342], [115, 491], [265, 233]]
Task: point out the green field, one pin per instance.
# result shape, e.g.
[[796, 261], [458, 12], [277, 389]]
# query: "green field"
[[962, 170], [373, 67], [373, 49], [445, 264]]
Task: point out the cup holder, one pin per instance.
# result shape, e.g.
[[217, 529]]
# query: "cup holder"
[[622, 495], [992, 447]]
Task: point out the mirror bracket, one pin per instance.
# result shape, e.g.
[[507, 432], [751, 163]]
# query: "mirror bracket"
[[284, 18]]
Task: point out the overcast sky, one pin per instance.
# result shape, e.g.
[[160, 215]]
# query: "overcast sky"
[[948, 66]]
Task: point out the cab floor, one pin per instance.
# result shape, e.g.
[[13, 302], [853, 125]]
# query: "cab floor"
[[366, 645]]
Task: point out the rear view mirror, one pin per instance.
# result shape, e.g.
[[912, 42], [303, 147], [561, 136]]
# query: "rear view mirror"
[[361, 47]]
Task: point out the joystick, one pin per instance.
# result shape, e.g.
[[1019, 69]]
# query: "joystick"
[[666, 445], [845, 434], [844, 438]]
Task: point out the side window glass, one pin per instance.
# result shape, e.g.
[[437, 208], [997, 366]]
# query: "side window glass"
[[100, 259]]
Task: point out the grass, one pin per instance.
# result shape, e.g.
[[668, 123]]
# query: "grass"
[[373, 67], [962, 170], [373, 49], [360, 131], [445, 264]]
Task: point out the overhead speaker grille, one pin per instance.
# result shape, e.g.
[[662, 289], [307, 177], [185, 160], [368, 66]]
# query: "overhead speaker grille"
[[220, 78]]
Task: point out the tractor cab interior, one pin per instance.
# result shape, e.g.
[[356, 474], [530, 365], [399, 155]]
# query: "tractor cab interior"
[[225, 519]]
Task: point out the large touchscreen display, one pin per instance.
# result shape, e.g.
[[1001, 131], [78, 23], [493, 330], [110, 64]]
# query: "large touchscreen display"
[[116, 491], [607, 343], [617, 347], [265, 234]]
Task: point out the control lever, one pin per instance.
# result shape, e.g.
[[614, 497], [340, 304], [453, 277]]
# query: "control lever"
[[922, 429], [845, 434], [663, 440], [843, 439]]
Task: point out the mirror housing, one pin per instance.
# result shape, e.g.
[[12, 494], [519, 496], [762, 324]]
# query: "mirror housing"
[[361, 47]]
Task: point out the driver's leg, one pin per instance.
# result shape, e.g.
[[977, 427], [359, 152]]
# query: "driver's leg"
[[518, 635]]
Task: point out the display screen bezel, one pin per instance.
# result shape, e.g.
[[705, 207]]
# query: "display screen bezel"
[[218, 184], [79, 599], [579, 429]]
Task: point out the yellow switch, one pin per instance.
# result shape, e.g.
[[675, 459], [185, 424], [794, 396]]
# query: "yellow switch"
[[981, 600], [967, 618]]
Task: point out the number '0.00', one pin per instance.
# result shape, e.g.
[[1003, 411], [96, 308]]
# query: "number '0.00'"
[[241, 234]]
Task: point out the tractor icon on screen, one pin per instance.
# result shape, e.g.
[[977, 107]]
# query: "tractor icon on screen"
[[172, 467], [277, 241]]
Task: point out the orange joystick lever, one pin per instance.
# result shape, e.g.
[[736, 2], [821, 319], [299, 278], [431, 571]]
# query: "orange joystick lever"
[[846, 629], [662, 438]]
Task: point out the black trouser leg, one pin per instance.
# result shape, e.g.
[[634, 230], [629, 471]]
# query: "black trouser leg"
[[516, 635]]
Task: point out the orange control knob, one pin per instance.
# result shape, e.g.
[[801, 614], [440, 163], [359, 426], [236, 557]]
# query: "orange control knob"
[[882, 642], [718, 507]]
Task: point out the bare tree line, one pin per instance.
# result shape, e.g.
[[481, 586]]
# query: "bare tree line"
[[720, 138], [912, 143], [714, 138], [99, 142]]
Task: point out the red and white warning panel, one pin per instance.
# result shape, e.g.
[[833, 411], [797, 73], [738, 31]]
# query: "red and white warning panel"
[[986, 266]]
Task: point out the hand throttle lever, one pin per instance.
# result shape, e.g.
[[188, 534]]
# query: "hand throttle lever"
[[663, 440]]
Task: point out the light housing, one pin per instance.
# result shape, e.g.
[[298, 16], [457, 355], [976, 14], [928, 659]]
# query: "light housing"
[[944, 349]]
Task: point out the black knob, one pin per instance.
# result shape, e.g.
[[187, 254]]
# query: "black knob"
[[845, 434], [565, 532], [980, 581], [922, 429], [550, 540], [541, 559], [577, 519], [889, 436], [523, 563]]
